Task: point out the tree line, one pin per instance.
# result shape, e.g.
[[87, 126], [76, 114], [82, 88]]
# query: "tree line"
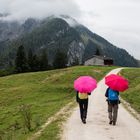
[[32, 62]]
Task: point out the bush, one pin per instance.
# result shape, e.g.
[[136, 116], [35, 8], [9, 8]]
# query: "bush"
[[6, 72], [25, 111]]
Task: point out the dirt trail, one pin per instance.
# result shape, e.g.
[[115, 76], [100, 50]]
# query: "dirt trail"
[[97, 127], [62, 112]]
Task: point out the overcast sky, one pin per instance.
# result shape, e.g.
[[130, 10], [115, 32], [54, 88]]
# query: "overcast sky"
[[117, 21]]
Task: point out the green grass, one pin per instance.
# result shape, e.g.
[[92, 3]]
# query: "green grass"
[[45, 92], [52, 131], [132, 95]]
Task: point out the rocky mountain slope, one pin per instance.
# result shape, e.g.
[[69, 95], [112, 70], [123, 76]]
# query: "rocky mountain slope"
[[54, 33]]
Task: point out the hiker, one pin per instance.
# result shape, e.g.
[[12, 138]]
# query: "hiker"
[[113, 101], [82, 99]]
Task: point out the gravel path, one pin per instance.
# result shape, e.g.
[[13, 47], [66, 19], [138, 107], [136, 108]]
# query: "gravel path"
[[97, 127]]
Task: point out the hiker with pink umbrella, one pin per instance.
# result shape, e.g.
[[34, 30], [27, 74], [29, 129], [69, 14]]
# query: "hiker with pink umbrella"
[[116, 84], [84, 85]]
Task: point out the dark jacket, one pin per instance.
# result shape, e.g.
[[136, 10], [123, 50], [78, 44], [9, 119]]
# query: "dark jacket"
[[77, 98]]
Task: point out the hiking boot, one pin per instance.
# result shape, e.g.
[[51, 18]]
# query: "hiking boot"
[[84, 120], [114, 123], [110, 122]]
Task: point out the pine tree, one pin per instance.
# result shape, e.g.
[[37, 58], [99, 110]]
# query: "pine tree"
[[60, 60], [21, 61], [30, 59], [36, 63], [43, 61]]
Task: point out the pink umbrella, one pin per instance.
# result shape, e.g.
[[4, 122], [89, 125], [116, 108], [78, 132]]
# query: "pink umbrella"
[[116, 82], [85, 84]]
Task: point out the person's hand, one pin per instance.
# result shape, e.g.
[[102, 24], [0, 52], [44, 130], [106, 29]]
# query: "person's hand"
[[89, 93], [119, 101]]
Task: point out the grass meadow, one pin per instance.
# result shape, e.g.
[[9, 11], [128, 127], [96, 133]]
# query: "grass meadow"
[[28, 100], [132, 95]]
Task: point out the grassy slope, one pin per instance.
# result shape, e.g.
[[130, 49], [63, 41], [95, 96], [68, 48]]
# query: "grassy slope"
[[45, 92], [132, 95]]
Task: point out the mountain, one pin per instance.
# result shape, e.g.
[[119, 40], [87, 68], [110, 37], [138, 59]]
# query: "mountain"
[[120, 56], [53, 33]]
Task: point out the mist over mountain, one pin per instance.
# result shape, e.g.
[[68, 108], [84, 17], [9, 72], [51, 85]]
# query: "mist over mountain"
[[53, 33]]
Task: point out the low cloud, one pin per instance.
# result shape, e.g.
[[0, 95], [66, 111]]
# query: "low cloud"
[[117, 21], [22, 9]]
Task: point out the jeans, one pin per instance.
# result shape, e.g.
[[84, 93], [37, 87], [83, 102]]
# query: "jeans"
[[83, 105]]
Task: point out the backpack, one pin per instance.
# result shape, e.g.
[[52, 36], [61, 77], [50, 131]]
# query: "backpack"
[[83, 95], [112, 95]]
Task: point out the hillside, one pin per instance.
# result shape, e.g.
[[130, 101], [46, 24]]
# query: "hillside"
[[132, 96], [41, 94], [53, 33]]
